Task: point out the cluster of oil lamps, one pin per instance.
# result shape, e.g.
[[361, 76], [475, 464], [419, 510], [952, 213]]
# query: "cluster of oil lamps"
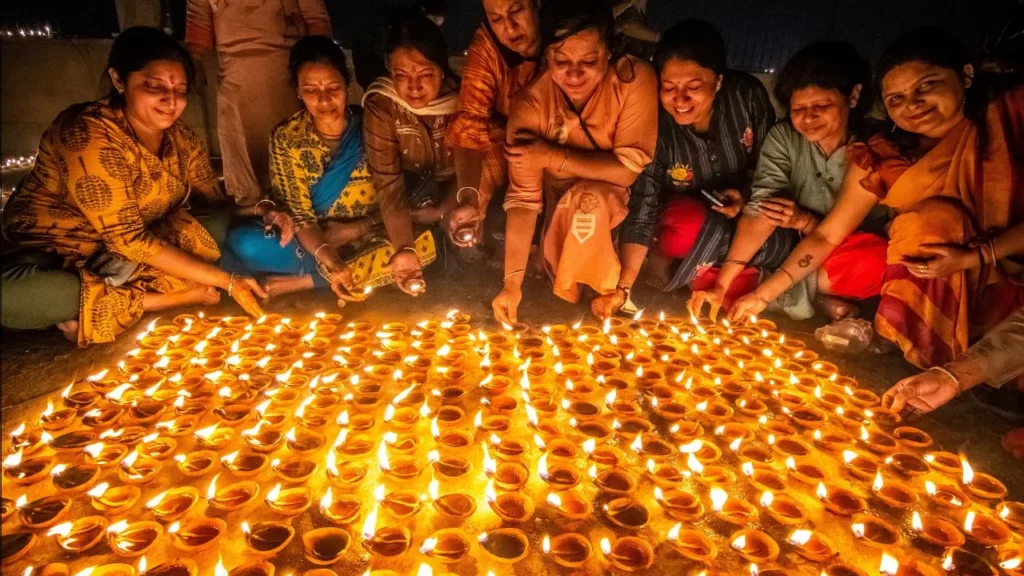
[[706, 449]]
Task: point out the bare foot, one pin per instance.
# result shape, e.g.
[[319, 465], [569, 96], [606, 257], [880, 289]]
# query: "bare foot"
[[1013, 442], [198, 296], [341, 233], [280, 285], [835, 308], [657, 271], [70, 329]]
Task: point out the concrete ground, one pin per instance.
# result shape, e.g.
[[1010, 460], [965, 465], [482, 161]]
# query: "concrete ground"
[[37, 364]]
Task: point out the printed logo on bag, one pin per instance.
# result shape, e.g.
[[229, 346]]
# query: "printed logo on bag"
[[584, 226]]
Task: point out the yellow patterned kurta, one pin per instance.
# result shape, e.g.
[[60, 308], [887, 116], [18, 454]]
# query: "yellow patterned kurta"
[[298, 160], [95, 188]]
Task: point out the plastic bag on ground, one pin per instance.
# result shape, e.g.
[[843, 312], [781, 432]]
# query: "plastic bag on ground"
[[848, 335]]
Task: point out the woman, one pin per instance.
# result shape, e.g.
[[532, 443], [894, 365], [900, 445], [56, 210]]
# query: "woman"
[[501, 61], [711, 127], [101, 222], [320, 178], [577, 138], [404, 128], [951, 169], [251, 39], [802, 164]]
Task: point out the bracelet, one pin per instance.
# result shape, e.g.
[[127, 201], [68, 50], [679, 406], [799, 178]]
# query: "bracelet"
[[317, 251], [565, 159], [792, 280], [268, 201], [948, 372], [231, 283], [513, 273], [324, 273], [409, 248], [458, 195], [740, 262], [991, 245], [981, 256]]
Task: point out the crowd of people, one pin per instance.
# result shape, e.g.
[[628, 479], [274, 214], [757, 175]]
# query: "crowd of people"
[[634, 150]]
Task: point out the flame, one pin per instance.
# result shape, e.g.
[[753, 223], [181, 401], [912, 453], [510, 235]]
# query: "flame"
[[117, 527], [753, 569], [767, 498], [791, 463], [61, 530], [858, 530], [879, 482], [691, 447], [325, 502], [637, 444], [849, 456], [20, 503], [489, 463], [155, 501], [230, 458], [693, 464], [99, 490], [370, 525], [129, 460], [555, 500], [382, 456], [740, 542], [799, 537], [822, 492], [889, 565], [219, 569], [143, 564], [13, 460], [606, 546], [274, 493], [98, 376], [968, 474], [489, 491], [735, 444], [969, 522], [1012, 563], [589, 445], [542, 467], [718, 498], [206, 433]]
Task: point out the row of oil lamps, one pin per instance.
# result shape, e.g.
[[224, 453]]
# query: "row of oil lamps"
[[506, 544]]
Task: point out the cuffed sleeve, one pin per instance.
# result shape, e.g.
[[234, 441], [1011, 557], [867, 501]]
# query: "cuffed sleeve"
[[288, 181], [636, 131], [993, 356], [525, 183], [774, 166]]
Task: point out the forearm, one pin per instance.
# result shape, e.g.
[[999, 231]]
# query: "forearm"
[[469, 173], [519, 227], [591, 165], [177, 262], [751, 233], [806, 258], [631, 259], [1009, 243], [394, 211], [992, 359]]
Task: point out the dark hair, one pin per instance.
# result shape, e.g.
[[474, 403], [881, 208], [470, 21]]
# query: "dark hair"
[[137, 47], [416, 31], [435, 8], [694, 40], [316, 49], [560, 19], [939, 48], [830, 65]]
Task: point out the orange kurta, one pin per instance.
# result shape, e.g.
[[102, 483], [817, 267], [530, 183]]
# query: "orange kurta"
[[489, 86], [953, 194], [622, 117], [95, 188]]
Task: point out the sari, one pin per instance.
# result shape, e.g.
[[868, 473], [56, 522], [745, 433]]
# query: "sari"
[[956, 193]]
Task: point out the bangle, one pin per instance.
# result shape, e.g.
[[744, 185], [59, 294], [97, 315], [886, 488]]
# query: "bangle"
[[268, 201], [513, 273], [948, 372], [565, 159], [231, 283], [458, 195], [317, 251], [404, 248], [991, 245], [740, 262], [792, 280]]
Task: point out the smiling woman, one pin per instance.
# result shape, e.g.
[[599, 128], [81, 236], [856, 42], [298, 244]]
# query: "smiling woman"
[[102, 222]]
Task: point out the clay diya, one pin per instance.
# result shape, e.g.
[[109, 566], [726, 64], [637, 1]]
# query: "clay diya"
[[388, 541], [1012, 513], [1012, 561], [782, 508], [81, 535], [53, 420], [963, 563], [113, 501], [666, 476], [615, 482], [627, 513], [196, 464], [289, 501], [692, 544], [447, 546], [893, 493], [244, 464], [731, 510], [401, 504], [233, 496], [628, 553], [44, 512], [197, 534], [986, 530], [344, 509], [754, 546], [840, 501], [844, 570], [514, 507], [861, 465], [981, 485], [557, 476], [569, 550], [947, 497], [456, 507], [14, 545], [570, 505], [294, 469], [26, 471], [832, 440], [135, 470], [937, 531], [504, 545], [812, 545], [875, 532], [907, 464], [267, 538], [603, 456], [325, 546], [347, 476], [173, 504], [912, 437], [680, 505], [130, 540], [945, 462], [261, 568]]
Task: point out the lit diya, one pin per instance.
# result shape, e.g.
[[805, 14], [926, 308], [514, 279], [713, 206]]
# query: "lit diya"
[[132, 539], [44, 512], [840, 501], [731, 510], [289, 501], [892, 566], [53, 420], [782, 508], [233, 496], [570, 505], [692, 544], [14, 545], [26, 471], [504, 545], [388, 541], [348, 475], [113, 501], [628, 553], [861, 465], [754, 546], [294, 469], [963, 563], [986, 530], [680, 504], [173, 504], [937, 531], [325, 546], [981, 485], [893, 493], [907, 464], [557, 476], [244, 464], [447, 546], [197, 463], [514, 507], [267, 538], [812, 545], [135, 470], [627, 513], [455, 507], [614, 481], [80, 535], [1012, 513], [875, 532], [570, 550]]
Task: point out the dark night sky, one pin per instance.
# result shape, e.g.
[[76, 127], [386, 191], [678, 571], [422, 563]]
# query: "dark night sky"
[[761, 34]]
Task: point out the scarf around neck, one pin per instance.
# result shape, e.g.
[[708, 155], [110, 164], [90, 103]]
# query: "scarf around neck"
[[442, 106]]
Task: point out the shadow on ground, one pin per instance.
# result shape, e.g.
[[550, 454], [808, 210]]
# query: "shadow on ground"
[[36, 364]]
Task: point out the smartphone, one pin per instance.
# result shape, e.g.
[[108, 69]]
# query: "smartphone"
[[714, 197]]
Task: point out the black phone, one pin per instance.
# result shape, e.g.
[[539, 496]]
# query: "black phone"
[[714, 197]]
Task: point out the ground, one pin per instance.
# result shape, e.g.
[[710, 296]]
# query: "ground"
[[37, 364]]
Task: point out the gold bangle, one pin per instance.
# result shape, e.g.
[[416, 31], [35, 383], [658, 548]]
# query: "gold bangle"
[[231, 283], [513, 273], [458, 195], [565, 159], [317, 251]]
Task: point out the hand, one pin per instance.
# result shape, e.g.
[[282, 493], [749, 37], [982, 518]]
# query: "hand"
[[283, 222], [466, 216], [506, 305], [405, 265], [785, 213], [427, 215], [733, 203], [605, 305], [338, 233], [941, 260], [343, 285], [920, 394], [244, 291], [535, 153], [746, 306], [714, 299]]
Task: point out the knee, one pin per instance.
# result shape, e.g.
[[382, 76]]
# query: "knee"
[[680, 225], [246, 243]]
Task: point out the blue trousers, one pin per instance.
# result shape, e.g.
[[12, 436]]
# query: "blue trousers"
[[255, 253]]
